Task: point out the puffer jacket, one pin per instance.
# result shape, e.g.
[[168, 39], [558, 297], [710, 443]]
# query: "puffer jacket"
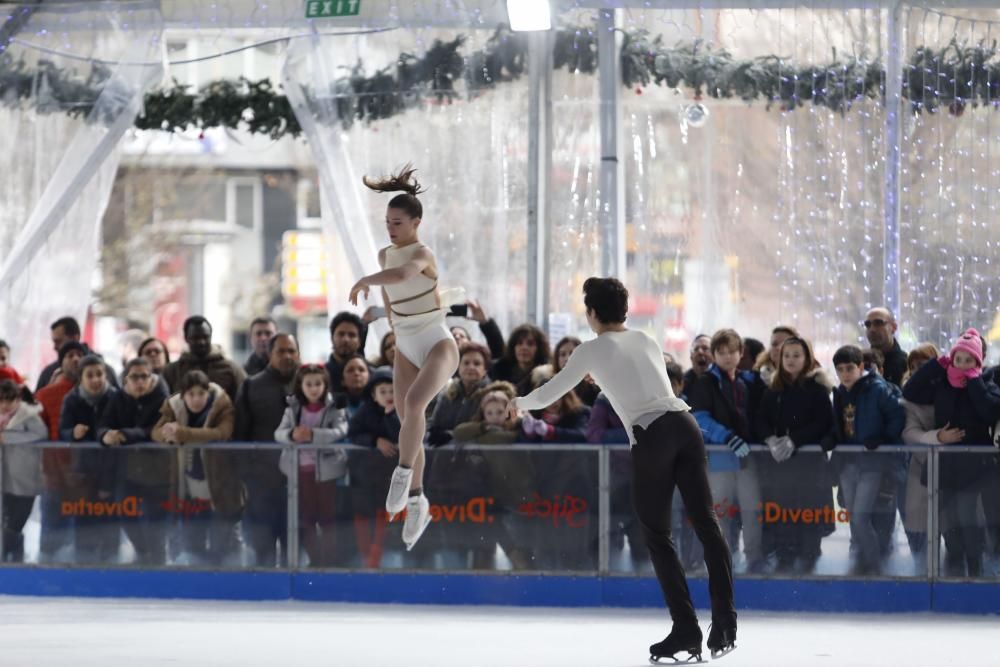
[[330, 463], [22, 470]]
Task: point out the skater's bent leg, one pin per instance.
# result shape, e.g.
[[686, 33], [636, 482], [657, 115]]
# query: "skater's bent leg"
[[438, 368], [652, 493], [692, 479]]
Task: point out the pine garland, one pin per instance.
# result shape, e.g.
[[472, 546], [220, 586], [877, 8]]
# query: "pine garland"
[[953, 77]]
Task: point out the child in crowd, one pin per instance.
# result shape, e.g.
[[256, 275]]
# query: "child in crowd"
[[312, 417], [867, 411], [20, 423], [211, 498]]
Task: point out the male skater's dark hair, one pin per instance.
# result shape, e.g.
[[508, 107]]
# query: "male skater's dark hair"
[[608, 298]]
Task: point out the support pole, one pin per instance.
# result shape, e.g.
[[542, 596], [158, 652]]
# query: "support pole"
[[893, 137], [539, 168], [612, 181]]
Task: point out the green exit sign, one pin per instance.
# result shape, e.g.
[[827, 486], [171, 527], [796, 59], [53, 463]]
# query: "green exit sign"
[[317, 9]]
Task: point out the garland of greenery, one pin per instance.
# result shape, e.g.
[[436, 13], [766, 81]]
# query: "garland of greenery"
[[952, 77]]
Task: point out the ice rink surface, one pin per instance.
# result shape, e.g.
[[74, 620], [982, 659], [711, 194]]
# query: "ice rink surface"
[[40, 632]]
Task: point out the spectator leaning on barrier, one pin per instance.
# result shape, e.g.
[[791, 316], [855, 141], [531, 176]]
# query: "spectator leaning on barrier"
[[260, 407], [867, 411], [20, 423], [459, 400], [920, 430], [954, 385], [211, 498]]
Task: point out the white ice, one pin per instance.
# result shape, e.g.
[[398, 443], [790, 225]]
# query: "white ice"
[[39, 632]]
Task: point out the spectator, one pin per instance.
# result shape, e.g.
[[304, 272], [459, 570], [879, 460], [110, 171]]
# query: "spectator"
[[874, 361], [527, 349], [348, 334], [510, 478], [91, 474], [966, 407], [129, 420], [205, 357], [460, 399], [880, 328], [752, 349], [211, 499], [64, 330], [57, 464], [724, 401], [155, 351], [587, 390], [20, 423], [701, 360], [386, 352], [488, 327], [354, 381], [767, 363], [261, 331], [312, 417], [795, 411], [375, 427], [563, 421], [260, 407], [920, 430], [5, 361], [676, 375], [866, 411]]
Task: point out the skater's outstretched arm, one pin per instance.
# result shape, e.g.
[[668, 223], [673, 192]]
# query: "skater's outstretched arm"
[[562, 383]]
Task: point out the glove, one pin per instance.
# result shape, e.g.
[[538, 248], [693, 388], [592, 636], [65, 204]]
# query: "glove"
[[783, 449], [739, 446], [528, 423], [871, 444], [774, 445], [945, 361], [542, 429], [828, 442]]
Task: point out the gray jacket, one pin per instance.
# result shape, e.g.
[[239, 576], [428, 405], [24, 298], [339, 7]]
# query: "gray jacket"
[[330, 463], [22, 466]]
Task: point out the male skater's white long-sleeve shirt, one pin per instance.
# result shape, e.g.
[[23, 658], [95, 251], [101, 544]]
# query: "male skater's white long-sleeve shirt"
[[628, 367]]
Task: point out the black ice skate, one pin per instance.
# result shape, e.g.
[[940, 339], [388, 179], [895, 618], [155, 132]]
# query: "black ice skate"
[[721, 639], [686, 639]]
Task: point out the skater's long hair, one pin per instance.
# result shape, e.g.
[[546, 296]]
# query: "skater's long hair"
[[400, 182]]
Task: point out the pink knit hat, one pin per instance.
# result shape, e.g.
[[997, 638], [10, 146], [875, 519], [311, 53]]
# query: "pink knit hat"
[[972, 343]]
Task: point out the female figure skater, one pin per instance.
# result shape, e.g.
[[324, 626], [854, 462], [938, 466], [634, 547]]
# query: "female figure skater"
[[426, 353], [667, 450]]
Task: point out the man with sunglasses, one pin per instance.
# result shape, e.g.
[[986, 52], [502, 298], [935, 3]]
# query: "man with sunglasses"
[[880, 329]]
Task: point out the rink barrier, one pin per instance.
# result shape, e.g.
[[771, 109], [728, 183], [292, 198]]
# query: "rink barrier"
[[596, 589]]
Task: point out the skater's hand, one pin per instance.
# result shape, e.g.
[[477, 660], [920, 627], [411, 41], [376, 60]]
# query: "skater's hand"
[[388, 448], [79, 431], [302, 434], [359, 287], [739, 446], [950, 434]]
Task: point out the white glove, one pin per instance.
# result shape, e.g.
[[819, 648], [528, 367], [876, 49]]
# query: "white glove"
[[528, 423], [781, 448]]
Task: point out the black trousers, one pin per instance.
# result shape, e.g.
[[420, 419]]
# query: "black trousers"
[[671, 452]]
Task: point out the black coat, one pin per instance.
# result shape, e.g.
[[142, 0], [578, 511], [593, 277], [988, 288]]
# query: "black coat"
[[371, 422], [507, 370], [260, 405], [802, 411], [895, 364], [96, 465], [571, 428], [974, 408], [706, 396], [135, 418]]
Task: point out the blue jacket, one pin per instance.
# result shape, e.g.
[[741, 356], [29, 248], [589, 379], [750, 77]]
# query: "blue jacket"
[[719, 418], [879, 419]]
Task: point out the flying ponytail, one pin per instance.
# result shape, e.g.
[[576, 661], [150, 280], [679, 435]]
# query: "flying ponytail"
[[400, 182]]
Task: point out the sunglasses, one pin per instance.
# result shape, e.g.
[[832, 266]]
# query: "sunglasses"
[[875, 323]]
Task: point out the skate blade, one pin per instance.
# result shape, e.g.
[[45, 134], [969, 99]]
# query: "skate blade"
[[723, 652], [427, 521], [693, 659]]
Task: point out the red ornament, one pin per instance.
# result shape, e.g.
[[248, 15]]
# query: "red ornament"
[[638, 91]]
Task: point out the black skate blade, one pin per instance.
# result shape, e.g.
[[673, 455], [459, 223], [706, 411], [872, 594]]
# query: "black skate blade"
[[693, 659], [723, 652]]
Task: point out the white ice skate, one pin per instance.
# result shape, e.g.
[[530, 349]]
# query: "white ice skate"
[[399, 491], [418, 515]]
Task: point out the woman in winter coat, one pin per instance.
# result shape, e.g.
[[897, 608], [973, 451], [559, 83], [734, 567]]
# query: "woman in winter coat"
[[795, 410], [211, 497], [965, 405], [20, 423], [313, 417], [460, 399]]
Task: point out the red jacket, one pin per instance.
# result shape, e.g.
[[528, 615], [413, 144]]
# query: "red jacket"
[[55, 462]]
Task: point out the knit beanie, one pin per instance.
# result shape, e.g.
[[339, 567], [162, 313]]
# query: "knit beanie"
[[8, 373], [972, 343]]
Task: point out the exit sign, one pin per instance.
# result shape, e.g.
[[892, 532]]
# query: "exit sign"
[[316, 9]]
